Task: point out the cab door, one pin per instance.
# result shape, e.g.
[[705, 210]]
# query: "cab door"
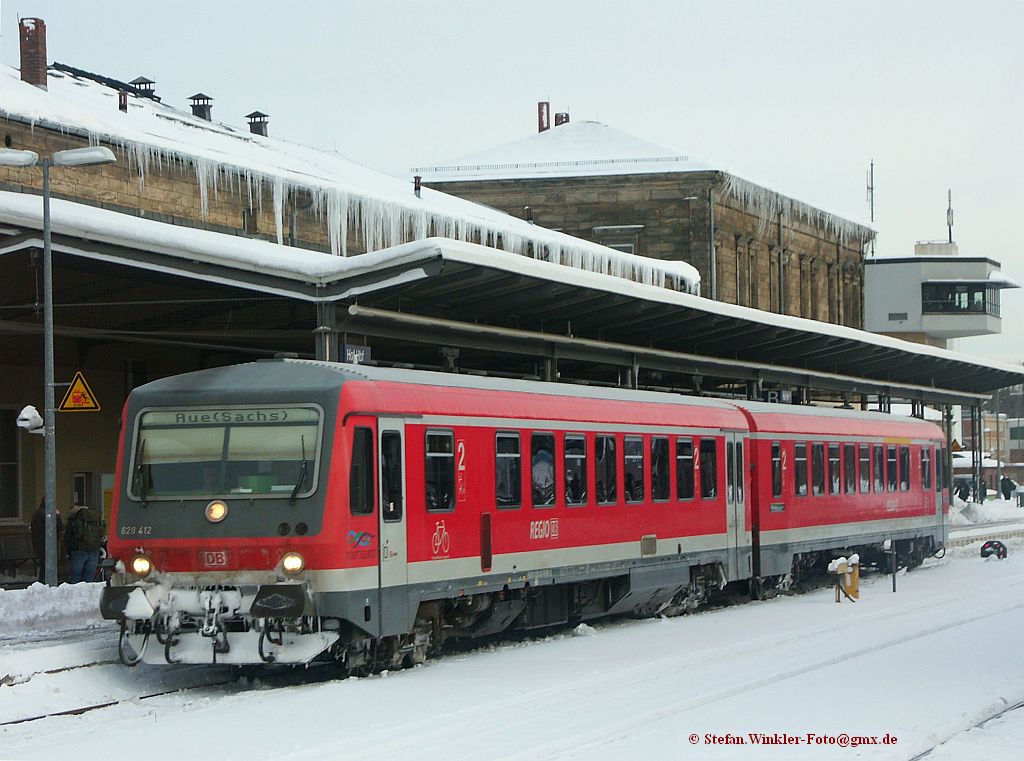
[[394, 567]]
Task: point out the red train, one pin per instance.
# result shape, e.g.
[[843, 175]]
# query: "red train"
[[288, 510]]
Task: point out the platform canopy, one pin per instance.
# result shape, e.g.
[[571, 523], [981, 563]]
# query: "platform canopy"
[[119, 277]]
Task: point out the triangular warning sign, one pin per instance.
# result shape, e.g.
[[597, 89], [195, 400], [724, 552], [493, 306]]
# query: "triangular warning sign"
[[79, 397]]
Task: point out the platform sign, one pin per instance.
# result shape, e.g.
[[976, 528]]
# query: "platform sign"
[[79, 397]]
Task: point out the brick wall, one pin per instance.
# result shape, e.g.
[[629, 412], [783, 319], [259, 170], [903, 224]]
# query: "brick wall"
[[808, 270]]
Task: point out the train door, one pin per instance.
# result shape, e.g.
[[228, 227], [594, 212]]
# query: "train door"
[[394, 567], [735, 498]]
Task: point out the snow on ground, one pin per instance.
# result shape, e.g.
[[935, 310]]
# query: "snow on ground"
[[923, 666], [992, 511]]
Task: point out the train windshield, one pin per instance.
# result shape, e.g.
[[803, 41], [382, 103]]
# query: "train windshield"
[[267, 451]]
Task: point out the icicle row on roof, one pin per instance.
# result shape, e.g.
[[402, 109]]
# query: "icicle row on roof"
[[382, 223], [772, 204]]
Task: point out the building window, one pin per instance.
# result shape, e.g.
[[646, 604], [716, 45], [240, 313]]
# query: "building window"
[[10, 504], [952, 298], [575, 470], [508, 480], [684, 469], [440, 471]]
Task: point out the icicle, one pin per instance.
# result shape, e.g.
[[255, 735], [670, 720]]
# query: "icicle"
[[279, 198]]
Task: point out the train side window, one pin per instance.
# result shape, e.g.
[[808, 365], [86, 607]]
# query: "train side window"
[[904, 468], [776, 468], [633, 470], [708, 469], [834, 474], [730, 470], [818, 469], [926, 467], [440, 471], [542, 469], [740, 474], [391, 475], [890, 467], [575, 469], [660, 485], [604, 453], [879, 466], [865, 468], [508, 471], [800, 469], [850, 468], [360, 474], [684, 468]]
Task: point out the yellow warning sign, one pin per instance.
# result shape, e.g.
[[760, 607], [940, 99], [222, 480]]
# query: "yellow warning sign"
[[79, 397]]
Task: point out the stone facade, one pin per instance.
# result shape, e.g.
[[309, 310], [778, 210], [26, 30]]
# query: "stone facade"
[[788, 266]]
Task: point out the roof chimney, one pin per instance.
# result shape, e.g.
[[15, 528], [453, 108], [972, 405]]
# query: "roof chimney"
[[562, 117], [258, 123], [144, 85], [33, 51], [543, 116], [202, 106]]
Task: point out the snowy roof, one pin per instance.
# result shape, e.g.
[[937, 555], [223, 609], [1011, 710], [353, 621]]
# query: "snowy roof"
[[590, 149], [384, 209], [773, 341]]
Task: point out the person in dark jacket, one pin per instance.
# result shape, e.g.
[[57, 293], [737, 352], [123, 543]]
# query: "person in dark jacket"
[[39, 537], [82, 539], [1007, 485]]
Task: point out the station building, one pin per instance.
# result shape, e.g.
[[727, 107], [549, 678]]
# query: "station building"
[[753, 246]]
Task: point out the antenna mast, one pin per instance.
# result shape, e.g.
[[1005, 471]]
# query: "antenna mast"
[[871, 200], [949, 215]]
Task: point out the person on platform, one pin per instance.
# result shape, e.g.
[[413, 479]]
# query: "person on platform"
[[82, 539], [39, 537], [982, 491], [1007, 485]]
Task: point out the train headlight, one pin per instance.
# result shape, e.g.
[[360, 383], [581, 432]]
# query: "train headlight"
[[141, 566], [216, 511], [292, 563]]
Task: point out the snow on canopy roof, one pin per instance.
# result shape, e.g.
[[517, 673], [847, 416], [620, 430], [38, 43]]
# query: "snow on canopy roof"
[[590, 149], [384, 209]]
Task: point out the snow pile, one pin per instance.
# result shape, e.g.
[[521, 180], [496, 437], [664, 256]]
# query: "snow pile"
[[41, 608], [992, 511], [382, 210]]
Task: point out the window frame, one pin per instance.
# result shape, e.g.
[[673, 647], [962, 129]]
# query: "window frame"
[[362, 433], [603, 464], [427, 455], [801, 473], [714, 468], [775, 455], [534, 435], [683, 457], [518, 457], [636, 442], [666, 475], [583, 468], [834, 473]]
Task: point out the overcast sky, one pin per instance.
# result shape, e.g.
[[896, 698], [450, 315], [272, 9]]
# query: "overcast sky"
[[799, 95]]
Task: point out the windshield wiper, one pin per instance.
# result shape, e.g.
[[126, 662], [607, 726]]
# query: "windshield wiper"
[[139, 480], [302, 471]]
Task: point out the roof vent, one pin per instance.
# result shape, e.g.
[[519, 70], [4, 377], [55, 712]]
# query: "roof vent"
[[543, 116], [202, 106], [144, 85], [258, 123], [562, 117], [32, 32]]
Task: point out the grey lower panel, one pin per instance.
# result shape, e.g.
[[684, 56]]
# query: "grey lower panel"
[[777, 559], [362, 607]]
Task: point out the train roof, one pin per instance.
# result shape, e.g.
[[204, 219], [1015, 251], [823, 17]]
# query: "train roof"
[[324, 380]]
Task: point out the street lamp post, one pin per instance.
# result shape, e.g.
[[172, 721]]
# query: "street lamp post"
[[91, 155]]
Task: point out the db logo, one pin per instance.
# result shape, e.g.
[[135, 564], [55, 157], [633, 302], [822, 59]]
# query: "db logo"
[[214, 558]]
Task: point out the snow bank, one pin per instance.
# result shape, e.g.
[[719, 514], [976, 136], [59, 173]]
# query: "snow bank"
[[40, 608], [992, 511]]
